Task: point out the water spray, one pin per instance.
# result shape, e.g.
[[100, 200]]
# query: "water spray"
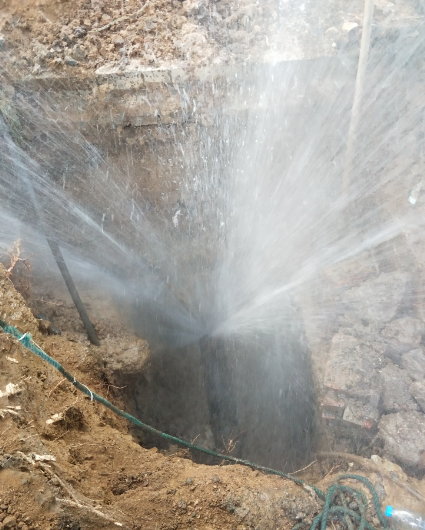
[[54, 247]]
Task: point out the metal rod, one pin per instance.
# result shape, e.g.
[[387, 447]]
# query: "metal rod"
[[358, 93]]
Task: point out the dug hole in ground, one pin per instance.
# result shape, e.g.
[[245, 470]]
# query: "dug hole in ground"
[[67, 462]]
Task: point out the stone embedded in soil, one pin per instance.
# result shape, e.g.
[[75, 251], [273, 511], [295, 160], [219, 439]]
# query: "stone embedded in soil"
[[417, 390], [125, 357], [352, 365], [352, 272], [403, 434], [70, 61], [377, 299], [44, 326], [353, 381], [414, 363], [406, 330], [395, 388], [363, 412], [333, 402], [78, 54], [9, 522]]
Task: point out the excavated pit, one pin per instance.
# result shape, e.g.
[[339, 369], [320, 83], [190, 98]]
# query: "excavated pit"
[[361, 319], [252, 397]]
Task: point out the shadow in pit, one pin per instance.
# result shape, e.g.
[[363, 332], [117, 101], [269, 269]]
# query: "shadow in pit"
[[249, 396]]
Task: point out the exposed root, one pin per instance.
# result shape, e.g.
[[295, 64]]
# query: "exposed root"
[[11, 412], [1, 433], [231, 443], [22, 277], [303, 468], [57, 386], [66, 487], [15, 256], [77, 502]]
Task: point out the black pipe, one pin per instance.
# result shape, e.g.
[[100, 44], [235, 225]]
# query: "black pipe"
[[14, 152], [57, 253]]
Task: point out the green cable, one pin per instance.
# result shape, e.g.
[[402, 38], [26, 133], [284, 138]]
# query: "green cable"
[[330, 508]]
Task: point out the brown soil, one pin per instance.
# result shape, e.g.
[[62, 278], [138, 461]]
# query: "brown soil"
[[51, 35], [99, 465], [79, 36], [101, 475]]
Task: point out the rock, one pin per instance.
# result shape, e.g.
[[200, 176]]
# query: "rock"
[[395, 388], [117, 40], [403, 434], [2, 42], [352, 366], [126, 357], [414, 363], [363, 412], [376, 299], [80, 32], [78, 53], [405, 330], [9, 522], [70, 61], [334, 403], [44, 326], [417, 390], [41, 52], [348, 26], [197, 8], [395, 350], [353, 381], [352, 272]]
